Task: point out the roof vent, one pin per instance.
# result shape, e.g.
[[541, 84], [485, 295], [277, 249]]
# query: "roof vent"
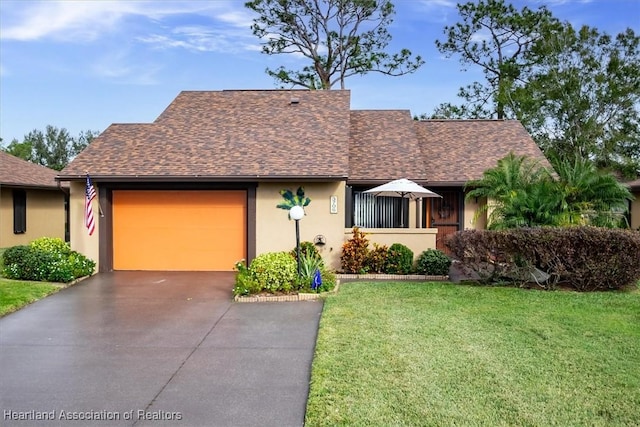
[[295, 100]]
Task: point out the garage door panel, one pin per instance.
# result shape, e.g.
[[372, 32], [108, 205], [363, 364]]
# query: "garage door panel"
[[178, 230]]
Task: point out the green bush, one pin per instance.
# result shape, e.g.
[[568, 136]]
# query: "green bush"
[[306, 249], [274, 271], [245, 281], [433, 262], [377, 258], [15, 254], [354, 253], [53, 245], [46, 259], [586, 258], [399, 259]]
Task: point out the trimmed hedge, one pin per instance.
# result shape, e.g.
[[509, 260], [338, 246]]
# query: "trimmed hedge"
[[399, 259], [586, 258], [433, 262]]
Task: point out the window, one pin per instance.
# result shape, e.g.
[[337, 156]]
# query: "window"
[[369, 211], [19, 211]]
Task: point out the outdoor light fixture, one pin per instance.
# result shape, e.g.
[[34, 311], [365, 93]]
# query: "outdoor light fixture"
[[296, 213]]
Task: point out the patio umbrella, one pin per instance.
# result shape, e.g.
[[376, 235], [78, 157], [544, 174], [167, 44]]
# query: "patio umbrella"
[[402, 188]]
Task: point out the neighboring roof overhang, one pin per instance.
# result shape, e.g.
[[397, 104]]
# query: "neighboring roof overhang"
[[440, 184], [30, 187], [197, 178]]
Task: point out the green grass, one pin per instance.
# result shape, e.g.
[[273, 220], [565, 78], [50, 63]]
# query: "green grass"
[[438, 354], [15, 294]]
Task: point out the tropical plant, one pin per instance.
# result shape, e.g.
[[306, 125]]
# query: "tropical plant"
[[306, 248], [354, 253], [309, 264], [521, 193], [514, 191], [589, 196], [377, 258]]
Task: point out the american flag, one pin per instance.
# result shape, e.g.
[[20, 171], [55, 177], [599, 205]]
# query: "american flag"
[[90, 194]]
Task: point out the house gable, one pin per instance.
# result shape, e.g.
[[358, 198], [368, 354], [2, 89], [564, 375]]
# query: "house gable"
[[229, 135]]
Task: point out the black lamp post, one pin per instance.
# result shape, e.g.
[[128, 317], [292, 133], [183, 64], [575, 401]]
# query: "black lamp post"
[[296, 213]]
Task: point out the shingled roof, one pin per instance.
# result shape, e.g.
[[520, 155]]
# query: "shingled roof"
[[456, 151], [15, 172], [384, 147], [229, 135], [251, 135]]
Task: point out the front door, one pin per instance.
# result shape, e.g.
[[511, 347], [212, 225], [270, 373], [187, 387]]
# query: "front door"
[[445, 214]]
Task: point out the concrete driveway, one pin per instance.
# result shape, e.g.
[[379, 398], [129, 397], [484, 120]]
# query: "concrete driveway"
[[156, 349]]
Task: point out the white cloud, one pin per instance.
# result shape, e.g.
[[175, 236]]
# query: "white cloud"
[[87, 20], [439, 3], [118, 66]]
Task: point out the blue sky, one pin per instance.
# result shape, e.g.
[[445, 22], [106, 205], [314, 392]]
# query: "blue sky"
[[86, 64]]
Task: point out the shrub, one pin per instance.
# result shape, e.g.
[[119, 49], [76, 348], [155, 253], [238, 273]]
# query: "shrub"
[[399, 259], [433, 262], [328, 280], [27, 263], [245, 281], [46, 259], [377, 258], [274, 271], [354, 253], [53, 245], [586, 258], [306, 249], [15, 254]]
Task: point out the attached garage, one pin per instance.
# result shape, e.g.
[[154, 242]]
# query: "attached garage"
[[180, 230]]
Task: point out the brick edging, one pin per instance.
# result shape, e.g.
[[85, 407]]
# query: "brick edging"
[[286, 298], [392, 277]]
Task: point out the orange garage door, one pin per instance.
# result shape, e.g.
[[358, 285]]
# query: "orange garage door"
[[178, 230]]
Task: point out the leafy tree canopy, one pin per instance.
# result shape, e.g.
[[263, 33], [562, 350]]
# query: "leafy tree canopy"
[[53, 148], [577, 91], [340, 38]]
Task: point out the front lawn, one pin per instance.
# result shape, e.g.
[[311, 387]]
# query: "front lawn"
[[15, 294], [438, 354]]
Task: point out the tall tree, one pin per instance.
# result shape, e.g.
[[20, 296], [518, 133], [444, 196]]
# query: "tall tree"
[[498, 39], [583, 100], [53, 148], [340, 38]]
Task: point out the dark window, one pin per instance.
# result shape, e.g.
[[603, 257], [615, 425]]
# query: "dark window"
[[19, 211], [369, 211]]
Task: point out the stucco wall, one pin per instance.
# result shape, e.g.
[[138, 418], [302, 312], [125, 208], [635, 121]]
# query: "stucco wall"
[[416, 239], [470, 209], [635, 211], [80, 239], [45, 216], [275, 232]]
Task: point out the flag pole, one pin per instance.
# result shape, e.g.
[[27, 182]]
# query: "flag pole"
[[100, 212]]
